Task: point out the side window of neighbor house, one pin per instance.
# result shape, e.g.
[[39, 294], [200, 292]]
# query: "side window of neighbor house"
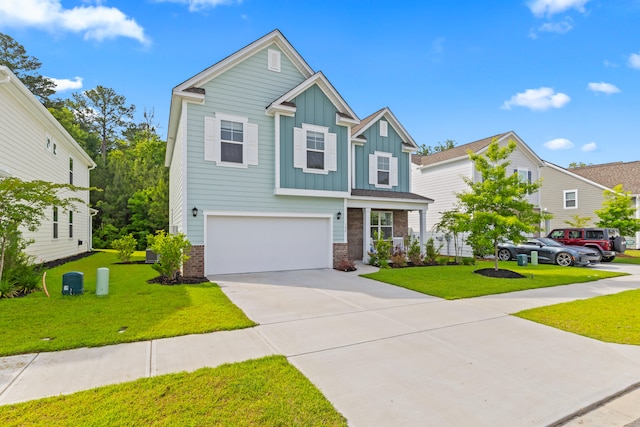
[[70, 170], [570, 199], [70, 224], [55, 222]]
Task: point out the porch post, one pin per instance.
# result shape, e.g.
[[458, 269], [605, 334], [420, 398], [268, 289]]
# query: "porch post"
[[423, 226], [366, 224]]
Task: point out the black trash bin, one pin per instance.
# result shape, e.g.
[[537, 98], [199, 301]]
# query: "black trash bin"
[[73, 283]]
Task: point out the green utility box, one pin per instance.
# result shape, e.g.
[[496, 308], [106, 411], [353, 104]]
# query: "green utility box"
[[73, 283], [522, 260]]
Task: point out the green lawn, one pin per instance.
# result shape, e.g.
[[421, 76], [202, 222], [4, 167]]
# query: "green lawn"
[[610, 318], [631, 256], [134, 310], [459, 281], [262, 392]]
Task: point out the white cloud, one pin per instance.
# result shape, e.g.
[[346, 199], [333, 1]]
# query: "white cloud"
[[558, 144], [95, 22], [196, 5], [592, 146], [634, 60], [603, 87], [557, 27], [537, 99], [66, 84], [551, 7]]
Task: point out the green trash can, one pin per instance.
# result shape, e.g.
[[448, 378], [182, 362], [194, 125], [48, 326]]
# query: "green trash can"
[[522, 260], [73, 283]]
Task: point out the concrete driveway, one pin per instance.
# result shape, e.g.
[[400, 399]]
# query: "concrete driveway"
[[386, 356]]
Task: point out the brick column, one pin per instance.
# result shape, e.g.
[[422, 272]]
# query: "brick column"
[[340, 252], [194, 267]]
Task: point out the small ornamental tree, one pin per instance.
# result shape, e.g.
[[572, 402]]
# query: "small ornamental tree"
[[495, 208], [125, 246], [173, 251], [578, 221], [618, 212], [23, 203]]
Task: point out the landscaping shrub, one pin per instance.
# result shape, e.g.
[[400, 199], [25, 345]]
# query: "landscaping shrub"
[[431, 255], [381, 253], [173, 251], [20, 275], [125, 246], [414, 251], [346, 265]]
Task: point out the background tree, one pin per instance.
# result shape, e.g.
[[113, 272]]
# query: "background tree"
[[14, 56], [618, 212], [495, 209], [578, 164], [441, 146], [103, 112], [578, 221]]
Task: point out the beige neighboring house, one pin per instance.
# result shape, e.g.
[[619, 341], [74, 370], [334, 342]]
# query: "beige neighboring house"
[[441, 176], [590, 192], [34, 146]]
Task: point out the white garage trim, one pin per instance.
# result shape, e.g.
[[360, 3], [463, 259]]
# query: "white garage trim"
[[242, 242]]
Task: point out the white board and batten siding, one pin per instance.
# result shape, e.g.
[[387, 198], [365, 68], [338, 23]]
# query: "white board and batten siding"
[[237, 242], [34, 146]]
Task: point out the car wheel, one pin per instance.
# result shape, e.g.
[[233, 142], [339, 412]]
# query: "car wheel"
[[608, 258], [504, 255], [564, 259]]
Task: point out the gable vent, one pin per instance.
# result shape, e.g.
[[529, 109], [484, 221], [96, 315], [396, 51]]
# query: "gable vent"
[[274, 60]]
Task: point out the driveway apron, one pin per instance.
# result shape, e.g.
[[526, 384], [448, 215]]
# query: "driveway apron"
[[384, 355]]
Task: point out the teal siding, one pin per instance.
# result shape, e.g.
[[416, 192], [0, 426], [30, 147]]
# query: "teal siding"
[[314, 108], [244, 90], [390, 144]]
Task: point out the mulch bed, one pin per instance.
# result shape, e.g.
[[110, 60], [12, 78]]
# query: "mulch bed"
[[501, 274], [180, 280], [58, 262]]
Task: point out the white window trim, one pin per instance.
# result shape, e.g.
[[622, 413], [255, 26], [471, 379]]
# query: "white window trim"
[[373, 170], [213, 140], [564, 199], [378, 225], [300, 149]]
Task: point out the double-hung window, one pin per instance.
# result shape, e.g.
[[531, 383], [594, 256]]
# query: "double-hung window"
[[570, 199], [55, 222], [70, 223], [383, 170], [382, 224], [230, 140], [71, 170], [315, 149]]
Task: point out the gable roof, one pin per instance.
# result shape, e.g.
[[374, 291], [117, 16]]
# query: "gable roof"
[[612, 174], [461, 151], [19, 91], [319, 79], [367, 122]]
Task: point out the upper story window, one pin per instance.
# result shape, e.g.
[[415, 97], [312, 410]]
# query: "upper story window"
[[230, 140], [70, 170], [383, 170], [51, 145], [571, 199], [70, 223], [314, 149], [55, 222], [524, 175]]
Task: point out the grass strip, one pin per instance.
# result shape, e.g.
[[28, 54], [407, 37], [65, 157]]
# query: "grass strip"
[[265, 392], [458, 281]]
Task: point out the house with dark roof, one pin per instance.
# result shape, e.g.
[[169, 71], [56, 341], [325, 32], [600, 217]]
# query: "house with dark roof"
[[580, 191], [442, 175], [271, 169]]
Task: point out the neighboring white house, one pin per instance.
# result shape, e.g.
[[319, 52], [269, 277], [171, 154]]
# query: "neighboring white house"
[[34, 146], [441, 176]]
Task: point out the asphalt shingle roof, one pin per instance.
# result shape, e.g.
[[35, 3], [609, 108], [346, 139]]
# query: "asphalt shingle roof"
[[612, 174], [455, 152]]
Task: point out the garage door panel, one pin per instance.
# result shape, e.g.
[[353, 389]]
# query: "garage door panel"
[[237, 244]]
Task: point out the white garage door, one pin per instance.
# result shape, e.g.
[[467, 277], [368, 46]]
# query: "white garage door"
[[245, 244]]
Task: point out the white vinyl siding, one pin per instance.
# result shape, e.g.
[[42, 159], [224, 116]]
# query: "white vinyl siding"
[[314, 149], [230, 140], [383, 170], [570, 199]]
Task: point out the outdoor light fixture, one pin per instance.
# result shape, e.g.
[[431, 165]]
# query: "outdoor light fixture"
[[339, 215], [194, 211]]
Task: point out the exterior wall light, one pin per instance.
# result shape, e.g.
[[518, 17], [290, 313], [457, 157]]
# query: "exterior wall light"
[[339, 215], [194, 211]]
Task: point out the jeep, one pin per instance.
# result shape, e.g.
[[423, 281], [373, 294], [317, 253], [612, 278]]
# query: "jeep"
[[607, 241]]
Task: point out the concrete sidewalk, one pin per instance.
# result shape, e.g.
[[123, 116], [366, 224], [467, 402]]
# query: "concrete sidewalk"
[[384, 355]]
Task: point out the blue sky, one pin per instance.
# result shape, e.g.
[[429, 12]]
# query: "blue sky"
[[563, 74]]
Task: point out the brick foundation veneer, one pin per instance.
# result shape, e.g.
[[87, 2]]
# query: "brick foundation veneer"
[[340, 253], [354, 233], [194, 267]]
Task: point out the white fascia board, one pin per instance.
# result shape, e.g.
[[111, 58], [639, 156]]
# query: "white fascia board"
[[178, 105], [311, 193], [395, 123], [260, 214], [444, 162], [384, 203], [283, 110], [344, 121]]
